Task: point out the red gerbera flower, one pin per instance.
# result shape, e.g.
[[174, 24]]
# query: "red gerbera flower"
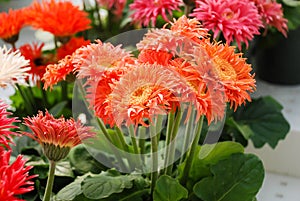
[[11, 23], [238, 20], [57, 136], [14, 178], [70, 47], [6, 123], [33, 53], [146, 11], [61, 18]]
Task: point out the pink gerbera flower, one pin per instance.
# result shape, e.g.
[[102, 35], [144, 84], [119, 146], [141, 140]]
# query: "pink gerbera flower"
[[117, 6], [238, 20], [14, 177], [6, 123], [146, 11], [93, 60], [272, 15]]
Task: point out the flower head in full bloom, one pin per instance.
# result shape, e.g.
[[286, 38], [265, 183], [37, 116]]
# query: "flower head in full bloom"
[[238, 20], [14, 177], [232, 71], [94, 59], [6, 123], [148, 11], [11, 23], [57, 136], [61, 18], [143, 93], [272, 15], [13, 67]]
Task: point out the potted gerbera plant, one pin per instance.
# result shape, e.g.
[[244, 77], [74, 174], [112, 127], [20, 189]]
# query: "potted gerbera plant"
[[166, 118]]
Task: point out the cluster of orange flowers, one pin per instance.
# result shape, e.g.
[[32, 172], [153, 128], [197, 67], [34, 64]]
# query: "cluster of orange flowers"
[[174, 66]]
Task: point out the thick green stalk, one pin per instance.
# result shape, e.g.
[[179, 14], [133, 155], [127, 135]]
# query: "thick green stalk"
[[187, 135], [171, 117], [192, 152], [171, 147], [133, 140], [50, 181], [28, 104], [154, 148]]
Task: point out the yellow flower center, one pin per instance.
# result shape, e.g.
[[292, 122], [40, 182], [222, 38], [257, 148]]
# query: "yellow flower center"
[[141, 95], [228, 15], [224, 70]]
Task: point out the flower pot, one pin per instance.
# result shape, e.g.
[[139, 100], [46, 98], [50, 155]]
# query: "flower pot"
[[277, 59]]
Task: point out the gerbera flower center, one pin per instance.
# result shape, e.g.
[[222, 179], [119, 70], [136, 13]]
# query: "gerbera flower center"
[[141, 95], [224, 70], [228, 15]]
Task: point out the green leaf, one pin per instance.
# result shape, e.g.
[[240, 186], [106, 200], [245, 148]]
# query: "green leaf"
[[262, 121], [292, 3], [208, 155], [69, 192], [58, 108], [83, 161], [169, 189], [63, 169], [238, 177], [106, 184]]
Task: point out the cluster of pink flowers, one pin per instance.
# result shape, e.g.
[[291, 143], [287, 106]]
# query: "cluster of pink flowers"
[[236, 20]]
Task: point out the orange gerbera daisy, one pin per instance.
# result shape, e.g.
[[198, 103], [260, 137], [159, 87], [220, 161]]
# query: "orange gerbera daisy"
[[70, 47], [204, 95], [57, 136], [153, 56], [11, 23], [143, 93], [98, 92], [191, 28], [57, 72], [232, 71], [61, 18]]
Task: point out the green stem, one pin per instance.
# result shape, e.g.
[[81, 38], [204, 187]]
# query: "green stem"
[[192, 152], [64, 90], [28, 104], [121, 138], [171, 147], [187, 135], [109, 138], [154, 148], [133, 140], [171, 117], [50, 181]]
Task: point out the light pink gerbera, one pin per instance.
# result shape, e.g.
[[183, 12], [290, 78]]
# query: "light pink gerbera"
[[13, 68], [117, 6], [238, 20], [272, 15], [166, 40], [148, 11], [94, 59]]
